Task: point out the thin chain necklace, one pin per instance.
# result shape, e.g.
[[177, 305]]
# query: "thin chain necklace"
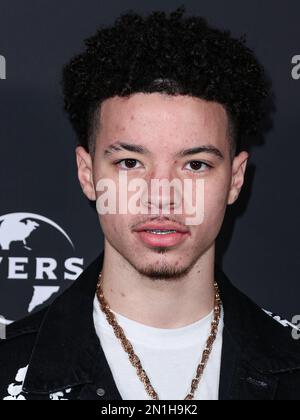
[[135, 361]]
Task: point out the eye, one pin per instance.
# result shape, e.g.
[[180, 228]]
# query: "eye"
[[198, 166], [127, 164]]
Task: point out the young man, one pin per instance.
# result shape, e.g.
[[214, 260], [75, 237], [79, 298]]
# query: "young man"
[[153, 317]]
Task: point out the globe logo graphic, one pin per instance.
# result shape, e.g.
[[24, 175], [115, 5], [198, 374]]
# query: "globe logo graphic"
[[32, 242]]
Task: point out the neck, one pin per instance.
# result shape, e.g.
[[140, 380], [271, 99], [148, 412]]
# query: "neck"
[[163, 303]]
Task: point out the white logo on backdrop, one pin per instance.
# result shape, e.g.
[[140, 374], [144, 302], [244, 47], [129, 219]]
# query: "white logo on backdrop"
[[2, 67], [18, 228]]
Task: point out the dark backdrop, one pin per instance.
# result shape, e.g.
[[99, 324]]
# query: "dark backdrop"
[[258, 246]]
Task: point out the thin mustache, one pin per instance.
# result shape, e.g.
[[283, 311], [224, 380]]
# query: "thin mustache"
[[157, 219]]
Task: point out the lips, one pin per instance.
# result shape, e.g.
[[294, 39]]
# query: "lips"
[[166, 226], [161, 234]]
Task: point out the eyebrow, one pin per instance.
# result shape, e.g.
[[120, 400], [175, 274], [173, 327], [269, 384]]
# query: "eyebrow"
[[201, 149], [119, 146]]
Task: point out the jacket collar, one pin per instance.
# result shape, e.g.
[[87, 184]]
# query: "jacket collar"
[[263, 342], [67, 347]]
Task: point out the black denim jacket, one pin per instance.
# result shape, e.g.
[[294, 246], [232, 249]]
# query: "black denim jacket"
[[55, 354]]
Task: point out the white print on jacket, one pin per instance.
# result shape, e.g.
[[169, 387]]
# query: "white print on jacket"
[[281, 321], [57, 396], [15, 389]]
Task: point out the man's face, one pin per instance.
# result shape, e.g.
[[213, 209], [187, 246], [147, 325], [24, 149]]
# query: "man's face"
[[163, 127]]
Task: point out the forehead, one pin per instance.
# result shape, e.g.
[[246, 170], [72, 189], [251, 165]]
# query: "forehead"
[[157, 119]]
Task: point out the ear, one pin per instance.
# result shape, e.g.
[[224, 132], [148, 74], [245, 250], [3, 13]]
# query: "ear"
[[85, 172], [239, 165]]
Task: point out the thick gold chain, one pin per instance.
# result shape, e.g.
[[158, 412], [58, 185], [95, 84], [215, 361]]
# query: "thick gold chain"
[[135, 361]]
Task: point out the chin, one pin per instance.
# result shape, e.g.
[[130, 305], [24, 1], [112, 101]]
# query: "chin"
[[163, 268], [166, 272]]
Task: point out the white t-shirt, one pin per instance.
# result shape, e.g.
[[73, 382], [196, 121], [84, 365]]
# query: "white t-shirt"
[[169, 356]]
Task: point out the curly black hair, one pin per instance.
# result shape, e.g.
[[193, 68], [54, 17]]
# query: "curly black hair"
[[173, 54]]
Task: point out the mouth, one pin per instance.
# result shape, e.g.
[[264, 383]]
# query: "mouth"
[[161, 236]]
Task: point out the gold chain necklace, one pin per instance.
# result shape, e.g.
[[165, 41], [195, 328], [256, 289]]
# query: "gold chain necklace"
[[135, 361]]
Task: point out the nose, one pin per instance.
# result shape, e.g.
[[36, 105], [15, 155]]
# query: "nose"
[[163, 195]]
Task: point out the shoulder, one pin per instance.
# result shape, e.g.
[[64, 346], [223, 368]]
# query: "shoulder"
[[288, 343], [278, 341], [269, 344], [16, 345]]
